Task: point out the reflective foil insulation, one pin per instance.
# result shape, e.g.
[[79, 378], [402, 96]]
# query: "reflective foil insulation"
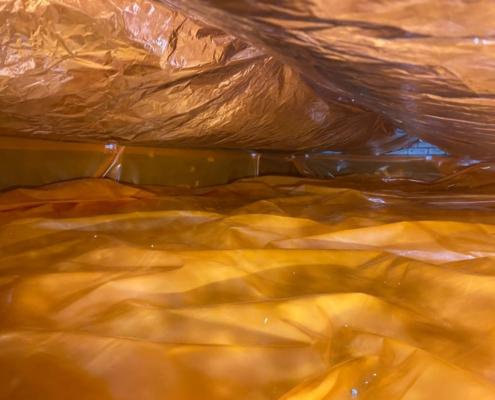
[[210, 199]]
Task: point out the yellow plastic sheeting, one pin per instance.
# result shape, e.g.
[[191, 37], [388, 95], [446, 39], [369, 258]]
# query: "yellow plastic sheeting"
[[268, 288], [25, 162], [28, 162]]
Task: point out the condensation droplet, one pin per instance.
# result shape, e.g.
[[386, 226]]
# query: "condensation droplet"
[[354, 392], [152, 246], [265, 321], [95, 236]]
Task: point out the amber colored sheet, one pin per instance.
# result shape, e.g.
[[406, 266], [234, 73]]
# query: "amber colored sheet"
[[267, 288], [27, 162]]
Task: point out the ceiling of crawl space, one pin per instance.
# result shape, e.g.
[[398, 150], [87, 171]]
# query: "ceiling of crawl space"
[[289, 75]]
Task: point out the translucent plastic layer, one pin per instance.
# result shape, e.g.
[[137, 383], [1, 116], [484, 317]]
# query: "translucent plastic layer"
[[268, 288]]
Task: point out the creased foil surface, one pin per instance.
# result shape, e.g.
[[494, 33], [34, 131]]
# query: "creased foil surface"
[[139, 71], [427, 66]]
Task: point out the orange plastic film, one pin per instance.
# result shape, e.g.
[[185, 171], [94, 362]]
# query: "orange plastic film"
[[267, 288], [34, 162], [27, 162]]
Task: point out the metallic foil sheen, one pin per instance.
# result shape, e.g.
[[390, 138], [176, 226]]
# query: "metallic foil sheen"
[[140, 71], [428, 66]]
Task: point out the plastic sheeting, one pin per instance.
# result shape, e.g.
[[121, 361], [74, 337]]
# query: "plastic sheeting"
[[375, 283], [295, 74], [136, 71], [26, 162], [428, 66], [263, 289]]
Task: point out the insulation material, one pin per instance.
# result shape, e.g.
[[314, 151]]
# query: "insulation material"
[[294, 74], [307, 291], [428, 66], [360, 276], [137, 71]]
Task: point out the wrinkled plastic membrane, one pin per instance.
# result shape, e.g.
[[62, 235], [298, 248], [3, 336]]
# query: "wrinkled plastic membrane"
[[267, 288], [426, 66], [317, 276], [295, 74], [137, 71]]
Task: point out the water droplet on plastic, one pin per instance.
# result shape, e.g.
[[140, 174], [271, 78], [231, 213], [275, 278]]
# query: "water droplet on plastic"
[[152, 246], [354, 392], [95, 236], [476, 40], [265, 321]]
